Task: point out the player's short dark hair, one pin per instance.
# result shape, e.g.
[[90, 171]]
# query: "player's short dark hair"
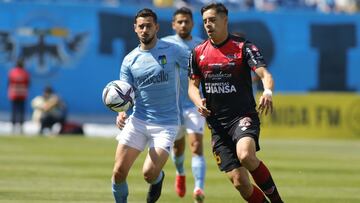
[[146, 12], [184, 11], [20, 63], [48, 90], [219, 8]]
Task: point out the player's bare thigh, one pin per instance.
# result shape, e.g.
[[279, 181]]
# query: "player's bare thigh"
[[154, 162], [125, 157], [246, 152]]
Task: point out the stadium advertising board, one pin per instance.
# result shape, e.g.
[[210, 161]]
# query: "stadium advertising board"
[[315, 114]]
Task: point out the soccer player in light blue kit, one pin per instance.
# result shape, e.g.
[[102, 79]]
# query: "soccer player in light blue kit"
[[192, 121], [153, 70]]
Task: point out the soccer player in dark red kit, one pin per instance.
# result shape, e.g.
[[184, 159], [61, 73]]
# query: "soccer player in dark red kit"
[[222, 65], [18, 89]]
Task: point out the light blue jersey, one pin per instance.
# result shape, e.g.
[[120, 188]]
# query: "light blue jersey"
[[154, 74], [186, 45]]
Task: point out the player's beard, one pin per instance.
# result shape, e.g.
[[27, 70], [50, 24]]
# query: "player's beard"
[[148, 40], [184, 35]]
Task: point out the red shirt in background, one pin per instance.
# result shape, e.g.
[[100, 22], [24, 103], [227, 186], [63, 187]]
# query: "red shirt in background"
[[19, 81]]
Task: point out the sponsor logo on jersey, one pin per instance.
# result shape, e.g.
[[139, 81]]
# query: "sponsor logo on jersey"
[[246, 121], [217, 76], [232, 65], [161, 77], [162, 60], [231, 56], [215, 67], [251, 56], [254, 48], [202, 57], [219, 88]]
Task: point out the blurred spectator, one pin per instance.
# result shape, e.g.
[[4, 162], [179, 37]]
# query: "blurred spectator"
[[182, 3], [163, 3], [49, 109], [18, 86], [325, 6], [266, 5], [347, 6]]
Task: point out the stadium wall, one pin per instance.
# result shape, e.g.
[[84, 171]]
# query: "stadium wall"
[[78, 48]]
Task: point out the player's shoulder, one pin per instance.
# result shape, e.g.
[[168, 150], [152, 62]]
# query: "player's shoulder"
[[133, 52], [238, 38], [169, 46], [202, 45], [131, 56], [241, 39], [169, 38]]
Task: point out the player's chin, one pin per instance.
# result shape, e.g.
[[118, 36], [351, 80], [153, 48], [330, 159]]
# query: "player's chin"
[[184, 34]]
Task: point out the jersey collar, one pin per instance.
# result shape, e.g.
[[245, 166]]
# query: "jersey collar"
[[221, 44]]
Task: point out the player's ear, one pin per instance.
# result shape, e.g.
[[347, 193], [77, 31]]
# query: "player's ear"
[[134, 27], [157, 27]]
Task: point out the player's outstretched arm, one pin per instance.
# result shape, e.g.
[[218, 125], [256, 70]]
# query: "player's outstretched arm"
[[265, 102]]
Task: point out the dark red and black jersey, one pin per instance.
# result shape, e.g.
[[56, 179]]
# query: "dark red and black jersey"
[[225, 74]]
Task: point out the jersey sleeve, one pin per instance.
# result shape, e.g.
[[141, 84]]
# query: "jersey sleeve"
[[194, 71], [253, 56], [125, 72]]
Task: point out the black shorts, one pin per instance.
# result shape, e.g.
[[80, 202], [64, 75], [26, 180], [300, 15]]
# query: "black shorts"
[[224, 142]]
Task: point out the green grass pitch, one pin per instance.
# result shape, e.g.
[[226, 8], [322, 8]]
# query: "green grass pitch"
[[78, 170]]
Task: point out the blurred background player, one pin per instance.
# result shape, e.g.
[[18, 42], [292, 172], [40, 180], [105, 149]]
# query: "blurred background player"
[[223, 64], [18, 88], [192, 121], [48, 109], [152, 69]]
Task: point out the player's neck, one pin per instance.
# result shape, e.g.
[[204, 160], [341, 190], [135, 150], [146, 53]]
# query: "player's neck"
[[188, 38], [149, 45], [220, 39]]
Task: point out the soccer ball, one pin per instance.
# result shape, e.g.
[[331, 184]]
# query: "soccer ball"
[[118, 95]]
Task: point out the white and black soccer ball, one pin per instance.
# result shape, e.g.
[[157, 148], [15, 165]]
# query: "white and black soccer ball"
[[118, 95]]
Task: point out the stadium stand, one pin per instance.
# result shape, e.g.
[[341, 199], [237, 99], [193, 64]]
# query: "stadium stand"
[[326, 6]]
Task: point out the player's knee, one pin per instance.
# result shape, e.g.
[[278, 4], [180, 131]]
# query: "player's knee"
[[119, 176], [150, 176], [247, 158], [196, 147]]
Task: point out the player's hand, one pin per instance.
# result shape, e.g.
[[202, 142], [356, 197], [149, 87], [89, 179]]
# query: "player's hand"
[[120, 120], [202, 108], [265, 104]]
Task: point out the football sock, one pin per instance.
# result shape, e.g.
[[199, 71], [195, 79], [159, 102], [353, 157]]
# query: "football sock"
[[263, 179], [179, 163], [257, 196], [198, 170], [120, 192], [158, 179]]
